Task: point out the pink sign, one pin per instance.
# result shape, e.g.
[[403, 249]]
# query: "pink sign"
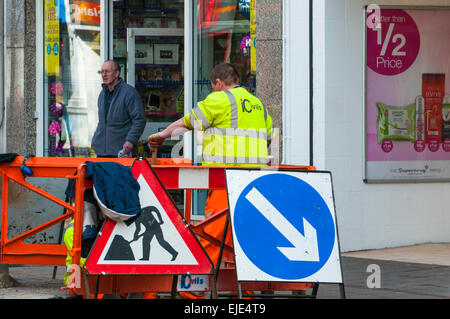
[[393, 43], [405, 51]]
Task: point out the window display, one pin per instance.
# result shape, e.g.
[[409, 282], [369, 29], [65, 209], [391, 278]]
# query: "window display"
[[225, 32], [158, 60], [407, 94], [71, 79], [156, 67]]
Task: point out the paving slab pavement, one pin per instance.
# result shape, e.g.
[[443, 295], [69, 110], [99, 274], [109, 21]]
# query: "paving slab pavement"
[[413, 272], [429, 253], [398, 280], [34, 282]]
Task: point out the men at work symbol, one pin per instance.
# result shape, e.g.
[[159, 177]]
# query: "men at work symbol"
[[120, 248], [152, 229]]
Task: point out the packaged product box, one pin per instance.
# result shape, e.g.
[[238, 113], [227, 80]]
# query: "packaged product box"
[[420, 118], [433, 90], [446, 118], [396, 123]]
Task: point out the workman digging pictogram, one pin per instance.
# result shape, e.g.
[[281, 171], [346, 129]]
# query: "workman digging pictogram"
[[152, 229]]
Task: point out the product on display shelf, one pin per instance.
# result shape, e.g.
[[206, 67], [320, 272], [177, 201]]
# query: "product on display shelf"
[[446, 117], [433, 88], [420, 118], [396, 123]]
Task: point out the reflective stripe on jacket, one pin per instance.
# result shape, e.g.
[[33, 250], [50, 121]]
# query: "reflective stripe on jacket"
[[237, 128]]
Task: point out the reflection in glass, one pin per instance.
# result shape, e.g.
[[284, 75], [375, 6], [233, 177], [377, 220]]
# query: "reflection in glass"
[[71, 79], [225, 32], [158, 62]]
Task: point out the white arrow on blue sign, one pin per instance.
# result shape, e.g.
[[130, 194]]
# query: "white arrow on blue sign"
[[284, 226]]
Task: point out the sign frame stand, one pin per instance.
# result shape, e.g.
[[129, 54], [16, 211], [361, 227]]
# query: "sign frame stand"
[[316, 285], [240, 295], [219, 259]]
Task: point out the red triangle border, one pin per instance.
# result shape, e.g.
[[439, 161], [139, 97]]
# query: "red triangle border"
[[204, 266]]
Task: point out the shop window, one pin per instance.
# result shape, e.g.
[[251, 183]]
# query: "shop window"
[[225, 32], [154, 31], [148, 42], [72, 81]]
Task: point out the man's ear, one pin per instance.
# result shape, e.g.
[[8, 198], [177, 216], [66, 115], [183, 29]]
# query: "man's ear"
[[220, 84]]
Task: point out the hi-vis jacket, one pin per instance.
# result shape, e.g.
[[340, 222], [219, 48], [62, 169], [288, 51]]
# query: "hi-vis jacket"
[[68, 240], [237, 128]]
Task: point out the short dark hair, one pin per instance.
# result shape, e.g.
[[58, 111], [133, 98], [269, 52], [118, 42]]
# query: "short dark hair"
[[225, 72], [115, 63]]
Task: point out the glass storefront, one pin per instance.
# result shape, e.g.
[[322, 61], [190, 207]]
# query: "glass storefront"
[[224, 32], [147, 39], [71, 80], [154, 31]]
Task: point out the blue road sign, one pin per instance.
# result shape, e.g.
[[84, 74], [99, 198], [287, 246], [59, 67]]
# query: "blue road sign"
[[284, 226]]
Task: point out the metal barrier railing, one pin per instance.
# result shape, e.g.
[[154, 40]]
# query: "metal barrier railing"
[[174, 174]]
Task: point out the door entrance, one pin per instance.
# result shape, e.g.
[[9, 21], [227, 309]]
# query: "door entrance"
[[148, 42]]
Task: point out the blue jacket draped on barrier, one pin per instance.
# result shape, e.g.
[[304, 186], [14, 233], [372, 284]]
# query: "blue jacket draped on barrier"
[[115, 186]]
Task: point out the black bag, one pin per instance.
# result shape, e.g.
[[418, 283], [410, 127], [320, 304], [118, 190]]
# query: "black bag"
[[8, 157]]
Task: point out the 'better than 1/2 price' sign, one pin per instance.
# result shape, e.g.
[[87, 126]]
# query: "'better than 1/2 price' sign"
[[393, 41]]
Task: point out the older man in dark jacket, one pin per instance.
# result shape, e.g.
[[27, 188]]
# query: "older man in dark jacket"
[[121, 117]]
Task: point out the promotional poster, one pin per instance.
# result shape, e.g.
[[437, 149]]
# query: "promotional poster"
[[407, 108]]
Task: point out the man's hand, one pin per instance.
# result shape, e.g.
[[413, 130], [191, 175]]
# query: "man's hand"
[[127, 147], [155, 141]]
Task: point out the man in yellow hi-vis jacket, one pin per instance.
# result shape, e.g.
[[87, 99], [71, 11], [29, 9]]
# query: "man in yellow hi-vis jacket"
[[237, 130], [237, 127]]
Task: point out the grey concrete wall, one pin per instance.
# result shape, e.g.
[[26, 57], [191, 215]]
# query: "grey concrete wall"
[[20, 89], [269, 60], [14, 73], [30, 78], [26, 209]]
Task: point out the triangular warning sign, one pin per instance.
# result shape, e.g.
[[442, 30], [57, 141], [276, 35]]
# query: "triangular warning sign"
[[157, 241]]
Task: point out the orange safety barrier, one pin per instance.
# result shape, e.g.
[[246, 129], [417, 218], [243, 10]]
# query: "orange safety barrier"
[[174, 174]]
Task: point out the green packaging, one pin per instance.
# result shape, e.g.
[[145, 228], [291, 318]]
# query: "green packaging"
[[396, 123]]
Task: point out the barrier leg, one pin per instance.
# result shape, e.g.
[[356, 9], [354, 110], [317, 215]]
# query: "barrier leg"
[[187, 206], [239, 289], [213, 287], [60, 237], [219, 261], [315, 289], [86, 286], [342, 290], [4, 234], [97, 285], [173, 293], [222, 245], [78, 216]]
